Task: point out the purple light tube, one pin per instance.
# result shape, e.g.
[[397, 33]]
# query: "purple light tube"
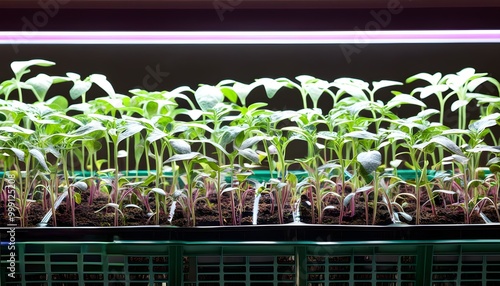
[[314, 37]]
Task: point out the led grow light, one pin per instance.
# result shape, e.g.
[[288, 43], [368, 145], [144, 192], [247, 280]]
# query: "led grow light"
[[315, 37]]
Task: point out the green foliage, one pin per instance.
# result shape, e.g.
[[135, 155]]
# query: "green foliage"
[[353, 148]]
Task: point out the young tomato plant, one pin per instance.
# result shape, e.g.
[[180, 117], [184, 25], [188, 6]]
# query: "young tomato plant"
[[191, 197]]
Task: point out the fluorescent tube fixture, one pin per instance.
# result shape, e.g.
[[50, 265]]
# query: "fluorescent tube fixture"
[[315, 37]]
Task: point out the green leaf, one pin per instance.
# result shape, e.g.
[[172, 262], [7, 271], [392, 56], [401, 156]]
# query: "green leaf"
[[130, 129], [495, 168], [159, 191], [64, 119], [77, 197], [54, 151], [431, 89], [229, 93], [328, 136], [82, 186], [316, 89], [292, 179], [183, 126], [474, 184], [395, 163], [151, 108], [225, 82], [92, 145], [20, 67], [484, 148], [155, 135], [462, 160], [428, 146], [73, 76], [100, 162], [494, 160], [88, 128], [424, 114], [208, 97], [40, 158], [252, 141], [405, 216], [357, 107], [109, 103], [348, 199], [209, 165], [329, 166], [243, 90], [361, 135], [230, 189], [229, 134], [19, 153], [218, 146], [455, 131], [7, 87], [122, 154], [183, 157], [483, 123], [303, 79], [364, 189], [180, 146], [473, 84], [459, 80], [82, 107], [79, 88], [250, 155], [193, 114], [57, 102], [111, 205], [270, 85], [370, 161], [432, 79], [354, 87], [404, 99], [458, 103], [16, 129], [40, 84], [384, 83], [103, 83], [447, 192], [132, 206], [448, 144]]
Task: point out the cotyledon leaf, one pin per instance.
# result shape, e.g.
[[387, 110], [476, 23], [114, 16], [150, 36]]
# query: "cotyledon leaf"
[[40, 158], [370, 160]]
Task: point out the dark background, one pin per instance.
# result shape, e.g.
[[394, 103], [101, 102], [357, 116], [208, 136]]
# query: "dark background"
[[128, 66]]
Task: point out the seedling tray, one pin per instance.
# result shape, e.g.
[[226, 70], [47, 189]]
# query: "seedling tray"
[[331, 258]]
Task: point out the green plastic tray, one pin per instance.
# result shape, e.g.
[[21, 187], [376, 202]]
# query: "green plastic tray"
[[442, 262]]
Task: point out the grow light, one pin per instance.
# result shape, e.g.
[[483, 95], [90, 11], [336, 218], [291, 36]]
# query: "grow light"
[[286, 37]]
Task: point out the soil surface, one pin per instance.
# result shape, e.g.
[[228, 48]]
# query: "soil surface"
[[207, 214]]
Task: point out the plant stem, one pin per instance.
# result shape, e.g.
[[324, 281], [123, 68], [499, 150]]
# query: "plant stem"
[[375, 196], [416, 167], [116, 180], [71, 203], [219, 198], [190, 202]]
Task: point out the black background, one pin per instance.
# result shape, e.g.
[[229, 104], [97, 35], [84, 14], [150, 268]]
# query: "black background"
[[127, 66]]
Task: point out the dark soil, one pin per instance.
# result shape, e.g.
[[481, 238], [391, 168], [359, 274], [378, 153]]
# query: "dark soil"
[[207, 213]]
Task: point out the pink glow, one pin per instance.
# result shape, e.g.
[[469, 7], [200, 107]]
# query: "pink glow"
[[329, 37]]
